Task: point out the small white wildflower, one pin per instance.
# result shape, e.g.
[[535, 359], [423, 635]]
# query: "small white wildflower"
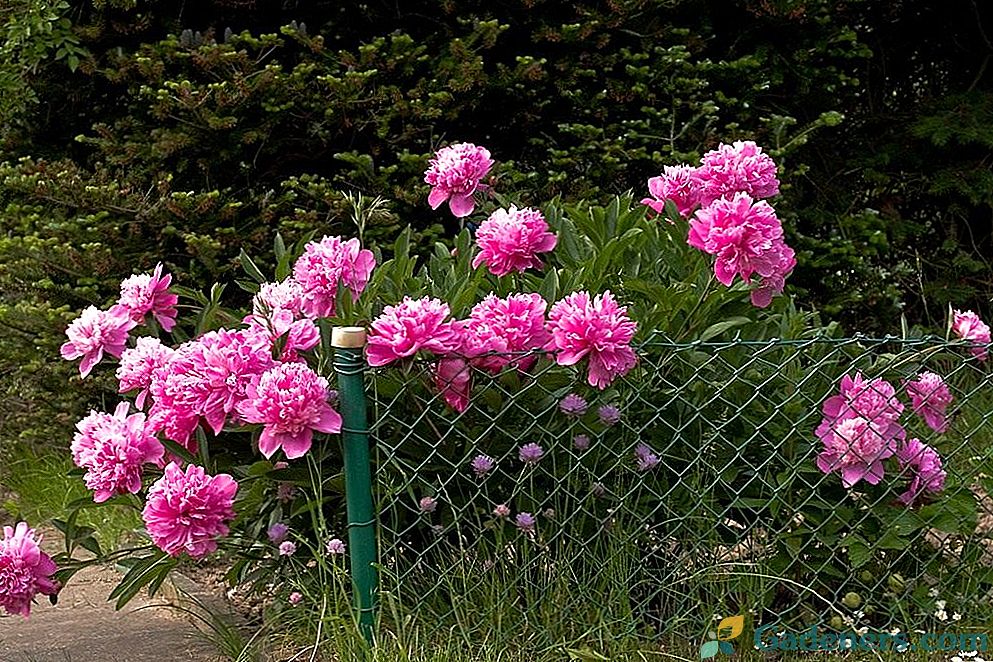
[[932, 592], [956, 616]]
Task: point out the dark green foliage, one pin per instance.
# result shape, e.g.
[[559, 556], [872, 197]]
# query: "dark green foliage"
[[191, 131]]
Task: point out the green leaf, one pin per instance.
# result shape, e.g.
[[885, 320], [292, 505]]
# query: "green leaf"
[[717, 329], [250, 267]]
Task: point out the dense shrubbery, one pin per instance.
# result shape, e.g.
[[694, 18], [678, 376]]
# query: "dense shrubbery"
[[144, 134]]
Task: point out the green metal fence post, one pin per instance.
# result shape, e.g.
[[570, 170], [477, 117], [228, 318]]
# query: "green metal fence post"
[[349, 365]]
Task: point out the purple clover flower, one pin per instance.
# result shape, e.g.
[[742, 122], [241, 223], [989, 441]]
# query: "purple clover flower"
[[501, 511], [609, 414], [573, 405], [277, 533], [646, 457], [287, 548], [530, 453], [336, 546], [525, 522], [482, 465], [428, 504], [581, 442]]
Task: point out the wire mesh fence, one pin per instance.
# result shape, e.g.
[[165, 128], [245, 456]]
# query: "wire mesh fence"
[[686, 490]]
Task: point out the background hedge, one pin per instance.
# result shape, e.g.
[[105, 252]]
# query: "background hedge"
[[137, 131]]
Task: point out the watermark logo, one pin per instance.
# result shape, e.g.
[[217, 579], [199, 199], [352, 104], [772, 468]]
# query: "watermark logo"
[[729, 629]]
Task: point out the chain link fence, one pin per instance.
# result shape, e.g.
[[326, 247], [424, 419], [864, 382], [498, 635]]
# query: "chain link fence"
[[688, 490]]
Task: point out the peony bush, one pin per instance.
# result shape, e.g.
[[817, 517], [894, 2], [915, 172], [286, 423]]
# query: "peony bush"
[[543, 381]]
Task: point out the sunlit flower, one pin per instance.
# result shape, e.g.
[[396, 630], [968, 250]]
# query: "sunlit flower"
[[510, 240], [968, 326], [327, 265], [502, 332], [188, 511], [598, 330], [741, 167], [676, 184], [94, 332], [144, 294], [113, 448], [137, 365], [25, 570], [455, 174], [291, 401], [409, 326]]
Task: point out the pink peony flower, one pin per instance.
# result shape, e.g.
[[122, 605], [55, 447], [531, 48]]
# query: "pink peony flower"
[[453, 378], [856, 448], [284, 295], [324, 266], [409, 326], [599, 330], [874, 400], [923, 464], [207, 377], [188, 511], [510, 240], [498, 329], [113, 448], [95, 332], [676, 184], [138, 364], [738, 168], [25, 570], [142, 294], [968, 326], [747, 240], [929, 398], [291, 400], [281, 331], [455, 174]]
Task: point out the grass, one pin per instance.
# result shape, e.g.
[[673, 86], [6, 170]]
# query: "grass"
[[42, 489]]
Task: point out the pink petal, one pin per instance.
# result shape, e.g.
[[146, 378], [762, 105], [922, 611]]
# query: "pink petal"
[[436, 197], [461, 205]]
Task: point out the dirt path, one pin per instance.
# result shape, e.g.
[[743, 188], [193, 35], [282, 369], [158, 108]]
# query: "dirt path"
[[84, 627]]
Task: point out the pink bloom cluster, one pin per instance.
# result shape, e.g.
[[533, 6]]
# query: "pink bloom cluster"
[[291, 400], [509, 240], [188, 511], [25, 570], [676, 184], [930, 398], [968, 326], [497, 329], [144, 294], [324, 266], [455, 174], [861, 429], [207, 378], [113, 448], [137, 365], [596, 329], [732, 222], [923, 465], [746, 238], [410, 326], [94, 332]]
